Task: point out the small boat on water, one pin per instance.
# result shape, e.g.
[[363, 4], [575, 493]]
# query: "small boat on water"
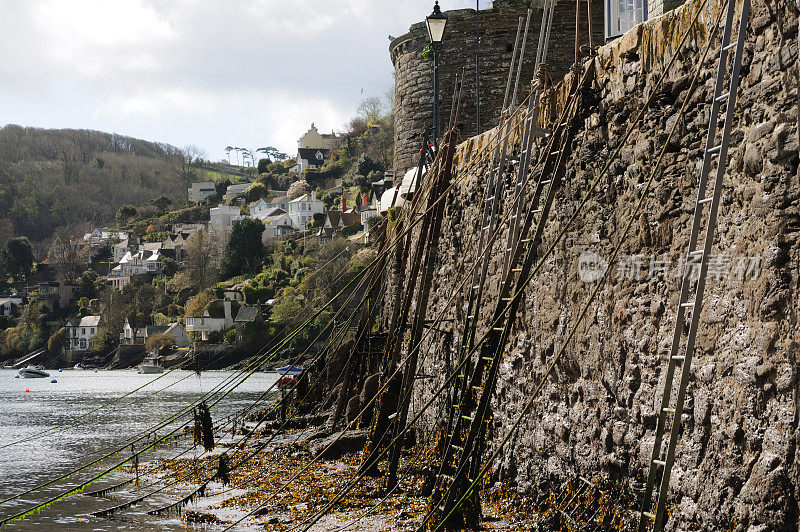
[[290, 370], [33, 372], [79, 366], [150, 365]]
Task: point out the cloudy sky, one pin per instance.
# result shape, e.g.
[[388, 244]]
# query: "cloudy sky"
[[207, 72]]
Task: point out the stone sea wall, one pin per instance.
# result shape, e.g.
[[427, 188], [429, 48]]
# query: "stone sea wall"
[[737, 462]]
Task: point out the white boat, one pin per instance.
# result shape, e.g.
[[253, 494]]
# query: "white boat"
[[150, 365], [32, 372], [79, 366]]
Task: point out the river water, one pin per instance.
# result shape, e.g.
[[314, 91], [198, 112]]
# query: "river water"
[[30, 406]]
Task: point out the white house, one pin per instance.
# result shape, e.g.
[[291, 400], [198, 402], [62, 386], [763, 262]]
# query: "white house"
[[268, 206], [143, 262], [121, 248], [222, 218], [80, 332], [7, 304], [101, 235], [201, 190], [235, 190], [217, 316], [302, 209], [277, 223], [139, 335]]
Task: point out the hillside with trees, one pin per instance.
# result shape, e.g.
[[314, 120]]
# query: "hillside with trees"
[[67, 178]]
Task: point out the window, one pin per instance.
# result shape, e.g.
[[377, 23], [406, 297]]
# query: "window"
[[320, 156], [83, 331]]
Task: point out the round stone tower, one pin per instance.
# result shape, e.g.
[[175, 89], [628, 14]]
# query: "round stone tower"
[[413, 94]]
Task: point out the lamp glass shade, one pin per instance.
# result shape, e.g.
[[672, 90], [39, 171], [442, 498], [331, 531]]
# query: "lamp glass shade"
[[436, 22]]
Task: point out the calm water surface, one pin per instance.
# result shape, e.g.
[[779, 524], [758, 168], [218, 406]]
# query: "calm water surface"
[[48, 404]]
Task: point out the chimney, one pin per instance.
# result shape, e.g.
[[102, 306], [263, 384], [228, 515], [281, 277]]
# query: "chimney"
[[344, 203], [227, 306], [365, 200]]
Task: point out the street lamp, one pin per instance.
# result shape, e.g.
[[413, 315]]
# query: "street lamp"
[[436, 23]]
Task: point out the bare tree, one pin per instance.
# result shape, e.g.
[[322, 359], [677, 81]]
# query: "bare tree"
[[371, 109], [68, 256], [187, 160], [202, 258]]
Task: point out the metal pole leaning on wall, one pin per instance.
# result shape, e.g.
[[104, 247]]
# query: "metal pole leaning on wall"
[[511, 68], [477, 67], [521, 59]]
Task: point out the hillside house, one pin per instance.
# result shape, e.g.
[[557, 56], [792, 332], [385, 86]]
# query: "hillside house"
[[201, 190], [8, 305], [54, 294], [313, 149], [216, 317], [80, 331], [143, 262], [101, 236], [147, 328], [263, 205], [335, 221], [277, 224], [302, 210], [247, 319], [235, 190], [121, 248], [222, 219]]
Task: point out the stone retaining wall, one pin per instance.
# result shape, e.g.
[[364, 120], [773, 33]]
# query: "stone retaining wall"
[[737, 464]]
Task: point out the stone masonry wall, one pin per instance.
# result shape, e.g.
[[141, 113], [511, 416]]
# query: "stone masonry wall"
[[737, 463], [413, 101]]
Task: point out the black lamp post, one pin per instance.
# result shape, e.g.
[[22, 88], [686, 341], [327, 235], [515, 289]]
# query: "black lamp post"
[[436, 23]]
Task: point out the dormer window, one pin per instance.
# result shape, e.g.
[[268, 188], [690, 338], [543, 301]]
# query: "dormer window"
[[320, 156]]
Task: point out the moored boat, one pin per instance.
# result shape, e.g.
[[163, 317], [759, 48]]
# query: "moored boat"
[[32, 372], [150, 365], [290, 370]]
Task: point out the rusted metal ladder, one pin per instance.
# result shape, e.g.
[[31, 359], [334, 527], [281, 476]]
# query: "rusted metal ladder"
[[454, 503], [691, 295]]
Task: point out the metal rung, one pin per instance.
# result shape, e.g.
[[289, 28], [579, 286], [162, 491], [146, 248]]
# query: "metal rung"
[[669, 410], [471, 317], [506, 299], [447, 476], [648, 514], [688, 304], [487, 200], [546, 182], [516, 270], [697, 252], [478, 388], [679, 357], [555, 152], [487, 359], [454, 446], [537, 211], [720, 98], [457, 406], [715, 149], [468, 418], [706, 200], [731, 46], [498, 328], [487, 227], [662, 463]]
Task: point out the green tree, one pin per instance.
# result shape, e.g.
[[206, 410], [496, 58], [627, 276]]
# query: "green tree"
[[159, 342], [162, 203], [169, 267], [125, 213], [255, 191], [18, 257], [89, 285], [244, 252]]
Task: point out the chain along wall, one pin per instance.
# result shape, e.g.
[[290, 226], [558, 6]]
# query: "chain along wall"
[[413, 99], [737, 461]]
